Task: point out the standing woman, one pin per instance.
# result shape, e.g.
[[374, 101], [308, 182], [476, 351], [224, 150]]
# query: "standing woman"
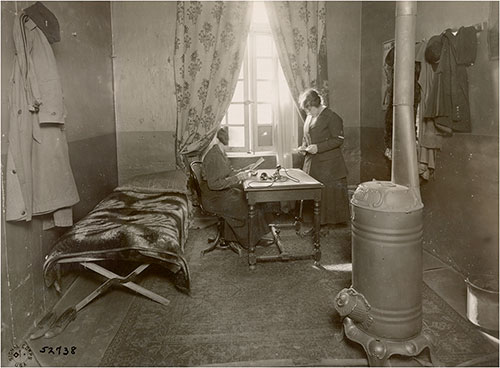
[[321, 145]]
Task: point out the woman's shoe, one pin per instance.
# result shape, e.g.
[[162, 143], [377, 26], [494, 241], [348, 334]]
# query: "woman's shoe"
[[306, 233], [265, 242], [268, 236]]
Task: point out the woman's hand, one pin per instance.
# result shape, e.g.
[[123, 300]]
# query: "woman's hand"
[[243, 175], [302, 150], [312, 149]]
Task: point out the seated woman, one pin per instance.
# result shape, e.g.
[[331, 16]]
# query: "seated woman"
[[223, 195]]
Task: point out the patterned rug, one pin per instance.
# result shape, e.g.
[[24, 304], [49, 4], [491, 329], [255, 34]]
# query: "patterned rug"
[[279, 313]]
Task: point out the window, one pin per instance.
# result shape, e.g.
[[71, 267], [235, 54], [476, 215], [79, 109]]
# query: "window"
[[251, 116]]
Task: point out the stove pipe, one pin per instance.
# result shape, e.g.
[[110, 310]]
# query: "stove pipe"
[[404, 158]]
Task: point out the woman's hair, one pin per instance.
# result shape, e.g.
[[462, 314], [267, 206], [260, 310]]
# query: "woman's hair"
[[310, 98], [223, 135]]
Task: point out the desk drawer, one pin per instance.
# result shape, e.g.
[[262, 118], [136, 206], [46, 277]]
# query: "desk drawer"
[[283, 195]]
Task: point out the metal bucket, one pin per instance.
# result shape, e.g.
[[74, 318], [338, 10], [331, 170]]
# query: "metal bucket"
[[482, 301], [387, 229]]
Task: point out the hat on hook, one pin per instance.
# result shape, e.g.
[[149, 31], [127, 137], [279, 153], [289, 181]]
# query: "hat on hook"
[[45, 20]]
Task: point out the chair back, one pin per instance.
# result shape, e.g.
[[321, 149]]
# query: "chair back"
[[195, 168]]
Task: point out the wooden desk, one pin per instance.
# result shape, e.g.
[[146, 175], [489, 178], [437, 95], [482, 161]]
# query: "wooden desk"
[[294, 185]]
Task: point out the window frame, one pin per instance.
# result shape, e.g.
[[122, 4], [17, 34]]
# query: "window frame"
[[246, 125], [250, 101]]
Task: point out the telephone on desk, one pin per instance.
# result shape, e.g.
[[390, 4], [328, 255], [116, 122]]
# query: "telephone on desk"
[[268, 178], [274, 177]]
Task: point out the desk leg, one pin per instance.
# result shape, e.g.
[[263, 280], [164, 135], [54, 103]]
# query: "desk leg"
[[317, 220], [252, 258]]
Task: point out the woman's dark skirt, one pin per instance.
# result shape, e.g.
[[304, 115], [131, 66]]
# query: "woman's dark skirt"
[[334, 202], [232, 205]]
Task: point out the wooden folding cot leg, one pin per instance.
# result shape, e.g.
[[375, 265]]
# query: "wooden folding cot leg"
[[128, 284], [69, 314]]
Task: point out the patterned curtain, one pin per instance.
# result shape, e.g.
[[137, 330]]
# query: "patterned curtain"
[[299, 30], [210, 44]]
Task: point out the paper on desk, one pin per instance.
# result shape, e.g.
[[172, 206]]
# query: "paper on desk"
[[256, 164], [260, 184]]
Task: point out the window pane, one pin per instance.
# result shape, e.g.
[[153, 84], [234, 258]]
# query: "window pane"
[[264, 45], [264, 92], [236, 136], [265, 136], [265, 68], [238, 92], [264, 114], [236, 114]]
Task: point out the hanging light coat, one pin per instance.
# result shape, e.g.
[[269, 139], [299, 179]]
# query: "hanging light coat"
[[39, 179]]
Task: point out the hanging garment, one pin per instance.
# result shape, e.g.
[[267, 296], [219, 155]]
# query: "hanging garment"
[[424, 77], [429, 142], [448, 102], [389, 113], [429, 138], [39, 179]]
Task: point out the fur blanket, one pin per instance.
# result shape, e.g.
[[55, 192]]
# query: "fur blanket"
[[136, 222]]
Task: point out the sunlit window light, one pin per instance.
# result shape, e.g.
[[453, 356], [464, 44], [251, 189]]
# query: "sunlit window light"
[[253, 114], [343, 267], [259, 14]]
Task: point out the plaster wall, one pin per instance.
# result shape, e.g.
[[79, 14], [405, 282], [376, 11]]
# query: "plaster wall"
[[344, 76], [143, 48]]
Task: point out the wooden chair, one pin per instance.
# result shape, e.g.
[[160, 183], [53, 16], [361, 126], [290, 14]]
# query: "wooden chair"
[[218, 242]]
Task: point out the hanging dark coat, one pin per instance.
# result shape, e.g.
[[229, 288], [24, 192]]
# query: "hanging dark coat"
[[448, 102]]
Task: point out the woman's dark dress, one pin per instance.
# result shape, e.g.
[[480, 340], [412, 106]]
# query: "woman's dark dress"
[[222, 194], [328, 166]]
